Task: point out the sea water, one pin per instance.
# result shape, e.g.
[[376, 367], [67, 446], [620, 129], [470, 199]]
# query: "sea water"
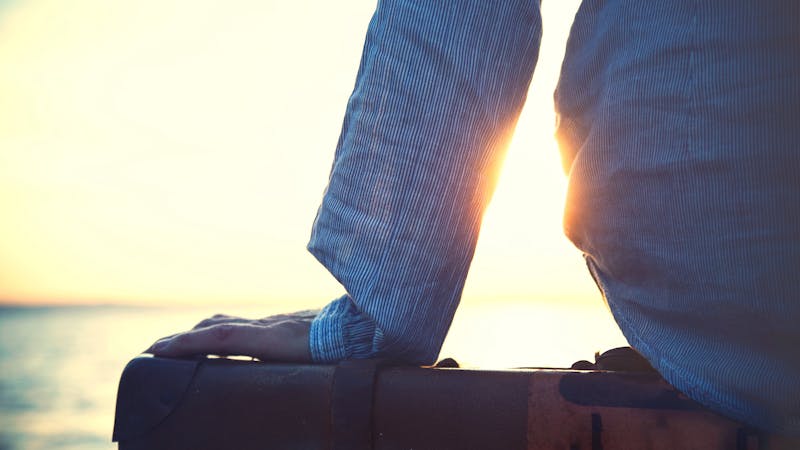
[[59, 366]]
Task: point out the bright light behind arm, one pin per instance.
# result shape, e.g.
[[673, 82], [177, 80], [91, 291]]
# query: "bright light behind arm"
[[176, 151]]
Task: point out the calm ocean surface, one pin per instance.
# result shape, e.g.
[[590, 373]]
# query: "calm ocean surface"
[[59, 367]]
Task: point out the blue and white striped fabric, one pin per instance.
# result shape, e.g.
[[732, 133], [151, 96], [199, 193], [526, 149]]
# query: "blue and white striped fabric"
[[680, 128]]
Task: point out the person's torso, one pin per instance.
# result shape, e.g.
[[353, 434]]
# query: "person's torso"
[[679, 123]]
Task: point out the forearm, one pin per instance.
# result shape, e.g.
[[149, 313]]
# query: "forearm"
[[439, 90]]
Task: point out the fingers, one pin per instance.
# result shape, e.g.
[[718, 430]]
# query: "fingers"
[[282, 337], [282, 341], [225, 318], [220, 318], [308, 314], [219, 339], [213, 320]]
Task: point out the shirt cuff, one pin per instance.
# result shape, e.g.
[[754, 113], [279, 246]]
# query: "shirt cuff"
[[341, 332]]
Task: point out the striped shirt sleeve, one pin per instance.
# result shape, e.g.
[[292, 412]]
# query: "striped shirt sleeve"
[[437, 95]]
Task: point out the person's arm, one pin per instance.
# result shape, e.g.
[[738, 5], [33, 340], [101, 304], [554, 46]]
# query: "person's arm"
[[440, 87], [439, 90]]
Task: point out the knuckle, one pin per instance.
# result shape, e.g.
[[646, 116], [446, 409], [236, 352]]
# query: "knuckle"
[[223, 331], [181, 339]]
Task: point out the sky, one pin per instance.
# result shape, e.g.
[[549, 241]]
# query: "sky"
[[175, 152]]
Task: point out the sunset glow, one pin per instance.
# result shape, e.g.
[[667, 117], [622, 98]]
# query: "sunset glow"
[[175, 152]]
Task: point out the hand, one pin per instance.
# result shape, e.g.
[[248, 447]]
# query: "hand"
[[283, 337]]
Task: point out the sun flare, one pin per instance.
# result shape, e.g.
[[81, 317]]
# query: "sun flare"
[[177, 151]]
